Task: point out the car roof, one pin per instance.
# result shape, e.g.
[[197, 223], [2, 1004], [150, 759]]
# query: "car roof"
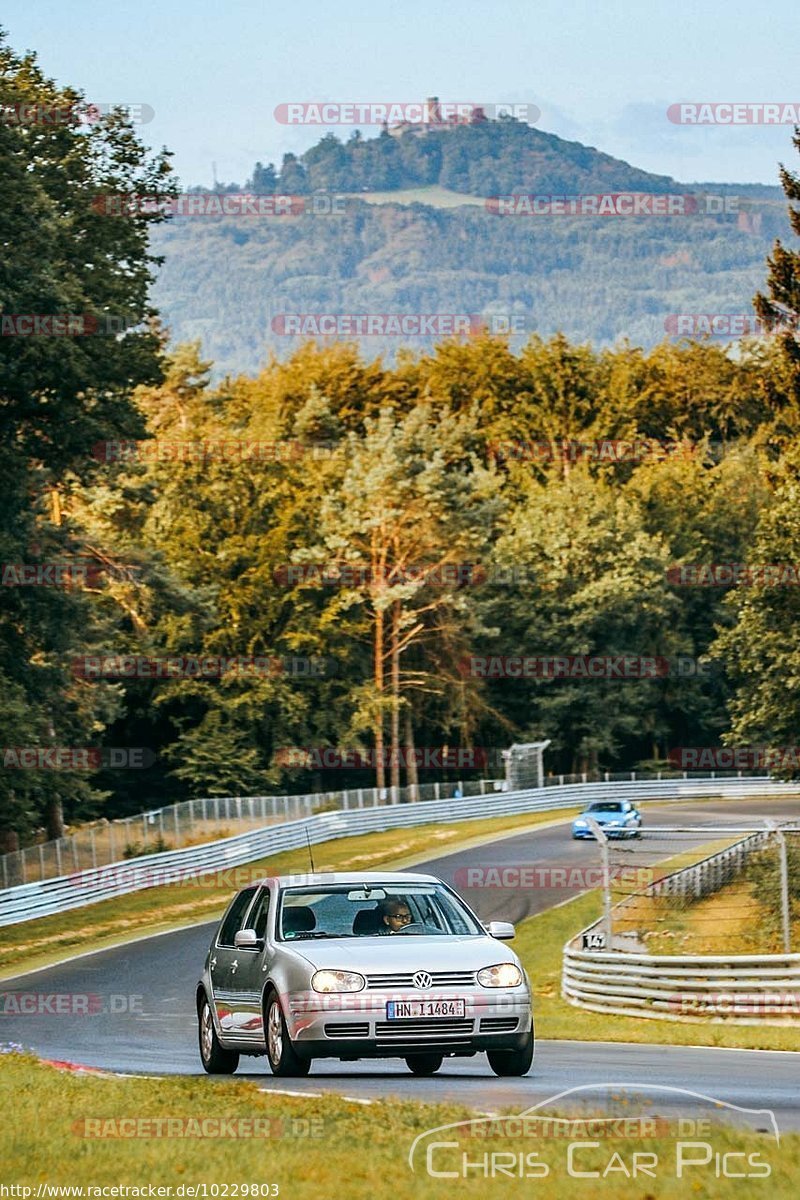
[[310, 879]]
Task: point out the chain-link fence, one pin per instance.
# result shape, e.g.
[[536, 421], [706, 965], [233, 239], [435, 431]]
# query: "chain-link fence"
[[194, 822]]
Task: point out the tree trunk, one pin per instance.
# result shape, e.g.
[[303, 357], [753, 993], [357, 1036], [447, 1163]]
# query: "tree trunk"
[[9, 841], [395, 685], [380, 766], [411, 762], [54, 812], [54, 818]]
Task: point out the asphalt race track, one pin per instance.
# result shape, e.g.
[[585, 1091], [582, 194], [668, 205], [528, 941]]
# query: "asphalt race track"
[[159, 1036]]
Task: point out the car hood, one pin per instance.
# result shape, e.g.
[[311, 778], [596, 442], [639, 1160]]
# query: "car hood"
[[396, 952]]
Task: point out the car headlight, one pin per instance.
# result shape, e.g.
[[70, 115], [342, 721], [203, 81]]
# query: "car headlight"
[[579, 823], [337, 981], [503, 975]]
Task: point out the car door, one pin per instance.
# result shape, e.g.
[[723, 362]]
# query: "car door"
[[247, 972], [225, 959]]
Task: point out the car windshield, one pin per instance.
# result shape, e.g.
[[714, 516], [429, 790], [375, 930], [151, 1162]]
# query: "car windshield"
[[376, 910], [605, 806]]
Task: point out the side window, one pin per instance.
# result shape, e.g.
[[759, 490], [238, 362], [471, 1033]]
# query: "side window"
[[258, 917], [234, 917]]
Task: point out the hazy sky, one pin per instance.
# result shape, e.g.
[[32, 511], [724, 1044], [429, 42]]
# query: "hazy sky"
[[601, 73]]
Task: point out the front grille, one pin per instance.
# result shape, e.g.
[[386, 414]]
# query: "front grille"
[[404, 979], [498, 1024], [353, 1029], [423, 1028]]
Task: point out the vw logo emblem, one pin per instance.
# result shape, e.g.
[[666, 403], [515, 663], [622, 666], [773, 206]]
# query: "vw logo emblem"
[[422, 980]]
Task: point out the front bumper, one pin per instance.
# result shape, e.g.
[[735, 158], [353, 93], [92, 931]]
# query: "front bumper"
[[355, 1025]]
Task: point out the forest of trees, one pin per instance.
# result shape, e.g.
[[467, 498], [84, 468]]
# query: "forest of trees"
[[204, 508]]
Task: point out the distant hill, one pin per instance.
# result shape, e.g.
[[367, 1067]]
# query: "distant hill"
[[409, 247], [477, 160]]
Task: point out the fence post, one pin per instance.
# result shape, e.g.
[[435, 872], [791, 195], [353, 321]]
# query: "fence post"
[[94, 849], [75, 853], [112, 857], [360, 794], [436, 790], [41, 861], [177, 827]]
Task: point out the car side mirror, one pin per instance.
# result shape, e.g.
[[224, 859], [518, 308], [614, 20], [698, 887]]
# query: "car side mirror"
[[502, 930], [248, 939]]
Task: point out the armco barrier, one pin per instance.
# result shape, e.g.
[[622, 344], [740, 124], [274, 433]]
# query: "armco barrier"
[[742, 989], [745, 989], [49, 896]]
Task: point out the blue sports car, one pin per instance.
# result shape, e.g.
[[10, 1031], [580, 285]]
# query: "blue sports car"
[[618, 818]]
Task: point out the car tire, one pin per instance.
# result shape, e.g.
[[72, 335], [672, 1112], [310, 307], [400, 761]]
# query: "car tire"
[[282, 1057], [215, 1058], [424, 1064], [512, 1062]]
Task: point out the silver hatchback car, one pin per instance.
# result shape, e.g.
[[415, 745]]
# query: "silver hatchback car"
[[361, 965]]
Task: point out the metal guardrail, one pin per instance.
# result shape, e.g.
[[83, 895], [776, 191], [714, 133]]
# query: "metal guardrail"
[[707, 876], [743, 989], [190, 822], [49, 896]]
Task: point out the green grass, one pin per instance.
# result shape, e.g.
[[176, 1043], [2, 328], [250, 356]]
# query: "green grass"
[[321, 1147], [37, 943], [540, 943]]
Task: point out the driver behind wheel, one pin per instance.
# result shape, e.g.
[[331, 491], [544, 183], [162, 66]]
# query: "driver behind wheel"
[[394, 914]]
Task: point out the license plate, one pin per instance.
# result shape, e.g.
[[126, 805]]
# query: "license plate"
[[403, 1010]]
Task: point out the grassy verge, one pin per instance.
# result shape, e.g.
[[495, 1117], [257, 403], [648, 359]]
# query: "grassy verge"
[[320, 1147], [735, 920], [46, 940], [540, 943]]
